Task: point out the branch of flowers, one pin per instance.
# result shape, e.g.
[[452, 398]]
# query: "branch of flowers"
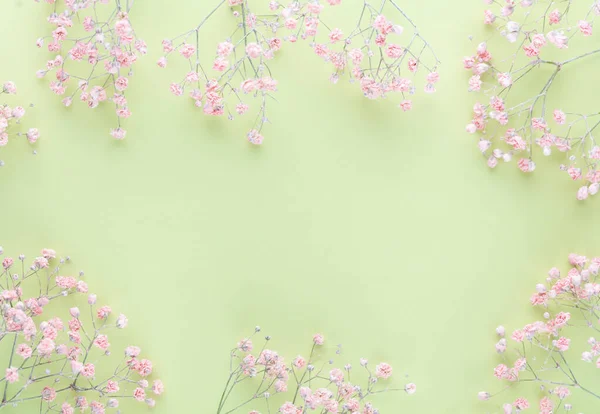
[[40, 349], [532, 38], [113, 42], [578, 290], [12, 116], [255, 41], [330, 393]]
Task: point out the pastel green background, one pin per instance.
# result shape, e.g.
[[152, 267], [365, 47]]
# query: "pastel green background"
[[385, 231]]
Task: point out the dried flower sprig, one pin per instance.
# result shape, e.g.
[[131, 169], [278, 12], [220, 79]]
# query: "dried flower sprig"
[[307, 384], [385, 55], [544, 352], [63, 364], [220, 82], [99, 33], [540, 30], [9, 116]]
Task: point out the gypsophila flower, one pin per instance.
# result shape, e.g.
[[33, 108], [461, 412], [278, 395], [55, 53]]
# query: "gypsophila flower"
[[304, 384], [513, 128], [10, 118], [540, 355], [61, 357], [224, 81], [93, 49]]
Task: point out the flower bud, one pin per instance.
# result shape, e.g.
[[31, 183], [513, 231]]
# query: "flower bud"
[[74, 312], [92, 299]]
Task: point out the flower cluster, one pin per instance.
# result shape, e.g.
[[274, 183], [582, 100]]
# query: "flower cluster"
[[305, 383], [543, 353], [511, 126], [12, 115], [94, 48], [376, 53], [63, 365]]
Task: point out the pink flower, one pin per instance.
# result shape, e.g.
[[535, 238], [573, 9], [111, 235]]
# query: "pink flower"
[[489, 17], [66, 408], [299, 362], [526, 165], [559, 116], [121, 83], [48, 253], [405, 105], [118, 133], [59, 34], [585, 27], [562, 392], [245, 345], [112, 387], [558, 39], [504, 79], [475, 83], [394, 51], [143, 367], [220, 64], [554, 17], [538, 40], [10, 88], [413, 65], [254, 137], [253, 50], [539, 124], [139, 394], [48, 394], [336, 376], [158, 387], [187, 50], [546, 406], [12, 375], [562, 318], [7, 263], [103, 312], [501, 371], [162, 62], [433, 77], [46, 347], [521, 404], [24, 351], [410, 388], [582, 193], [468, 62], [224, 49], [132, 351], [102, 342], [318, 339], [335, 35], [288, 407], [383, 370], [88, 370]]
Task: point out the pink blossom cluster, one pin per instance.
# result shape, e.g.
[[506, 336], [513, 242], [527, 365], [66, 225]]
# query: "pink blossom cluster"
[[94, 48], [542, 353], [380, 54], [305, 383], [511, 127], [222, 81], [65, 364], [9, 116]]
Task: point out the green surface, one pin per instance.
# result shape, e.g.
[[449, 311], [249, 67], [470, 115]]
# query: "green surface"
[[383, 230]]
